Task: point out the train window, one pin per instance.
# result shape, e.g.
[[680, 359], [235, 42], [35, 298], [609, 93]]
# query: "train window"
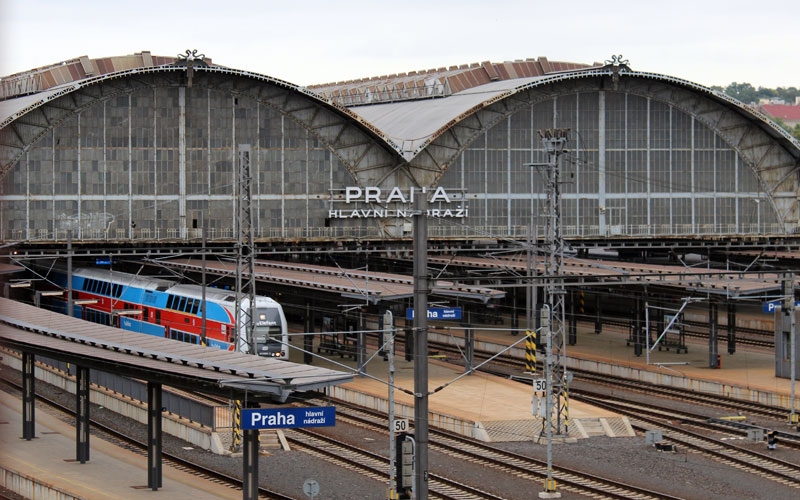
[[189, 338], [170, 301], [117, 290], [182, 304], [195, 306], [106, 288], [85, 285], [96, 316]]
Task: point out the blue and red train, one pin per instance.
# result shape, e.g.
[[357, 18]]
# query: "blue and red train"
[[161, 307]]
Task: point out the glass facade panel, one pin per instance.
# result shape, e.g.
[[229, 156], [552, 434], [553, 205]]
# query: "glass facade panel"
[[638, 171], [520, 130], [661, 172], [616, 121], [123, 160]]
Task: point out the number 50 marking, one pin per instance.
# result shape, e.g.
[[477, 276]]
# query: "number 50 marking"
[[400, 425]]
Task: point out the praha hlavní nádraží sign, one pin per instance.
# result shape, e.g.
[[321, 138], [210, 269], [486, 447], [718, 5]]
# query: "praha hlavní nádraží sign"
[[374, 202]]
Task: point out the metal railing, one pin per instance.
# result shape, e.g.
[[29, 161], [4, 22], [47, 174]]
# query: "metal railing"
[[516, 232]]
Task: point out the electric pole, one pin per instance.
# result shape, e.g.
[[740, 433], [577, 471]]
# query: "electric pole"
[[556, 421], [245, 292]]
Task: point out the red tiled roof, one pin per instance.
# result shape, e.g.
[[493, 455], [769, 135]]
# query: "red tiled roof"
[[785, 112], [41, 79], [452, 80]]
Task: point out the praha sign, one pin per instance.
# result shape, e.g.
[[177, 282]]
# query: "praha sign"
[[354, 195], [287, 418]]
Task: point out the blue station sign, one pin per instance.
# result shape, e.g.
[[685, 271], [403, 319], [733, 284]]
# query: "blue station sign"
[[769, 307], [438, 313], [287, 418]]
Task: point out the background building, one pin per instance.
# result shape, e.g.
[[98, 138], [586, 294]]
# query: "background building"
[[144, 148]]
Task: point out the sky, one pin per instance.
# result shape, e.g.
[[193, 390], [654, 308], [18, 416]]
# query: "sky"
[[709, 42]]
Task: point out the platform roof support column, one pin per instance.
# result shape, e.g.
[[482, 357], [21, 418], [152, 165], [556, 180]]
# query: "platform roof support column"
[[28, 397], [713, 334], [731, 327], [469, 343], [82, 414], [250, 465], [154, 435], [361, 347], [308, 337], [598, 314], [572, 329]]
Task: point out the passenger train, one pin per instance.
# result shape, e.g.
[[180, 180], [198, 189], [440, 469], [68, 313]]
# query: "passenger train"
[[163, 308]]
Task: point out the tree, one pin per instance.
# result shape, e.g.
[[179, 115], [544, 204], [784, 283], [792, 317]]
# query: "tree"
[[743, 92], [788, 94]]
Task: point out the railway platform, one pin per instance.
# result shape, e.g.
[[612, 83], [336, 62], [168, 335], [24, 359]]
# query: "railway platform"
[[45, 467], [494, 408], [748, 373], [486, 407]]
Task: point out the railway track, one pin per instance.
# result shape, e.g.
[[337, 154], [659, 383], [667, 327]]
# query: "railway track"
[[646, 417], [376, 466], [487, 456], [506, 365]]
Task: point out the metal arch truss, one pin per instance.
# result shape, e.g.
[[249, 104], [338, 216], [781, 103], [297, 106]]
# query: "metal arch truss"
[[763, 145], [364, 151], [769, 151]]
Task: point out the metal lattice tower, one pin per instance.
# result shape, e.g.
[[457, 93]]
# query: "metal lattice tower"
[[245, 275], [554, 141], [245, 253]]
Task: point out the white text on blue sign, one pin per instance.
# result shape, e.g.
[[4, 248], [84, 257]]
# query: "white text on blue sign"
[[769, 307], [286, 418], [438, 313]]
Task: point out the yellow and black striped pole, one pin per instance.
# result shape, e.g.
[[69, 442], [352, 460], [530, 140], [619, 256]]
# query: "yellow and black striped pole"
[[530, 351], [566, 410], [236, 442]]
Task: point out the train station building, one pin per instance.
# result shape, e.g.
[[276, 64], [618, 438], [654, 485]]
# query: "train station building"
[[662, 193], [142, 152], [144, 148]]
